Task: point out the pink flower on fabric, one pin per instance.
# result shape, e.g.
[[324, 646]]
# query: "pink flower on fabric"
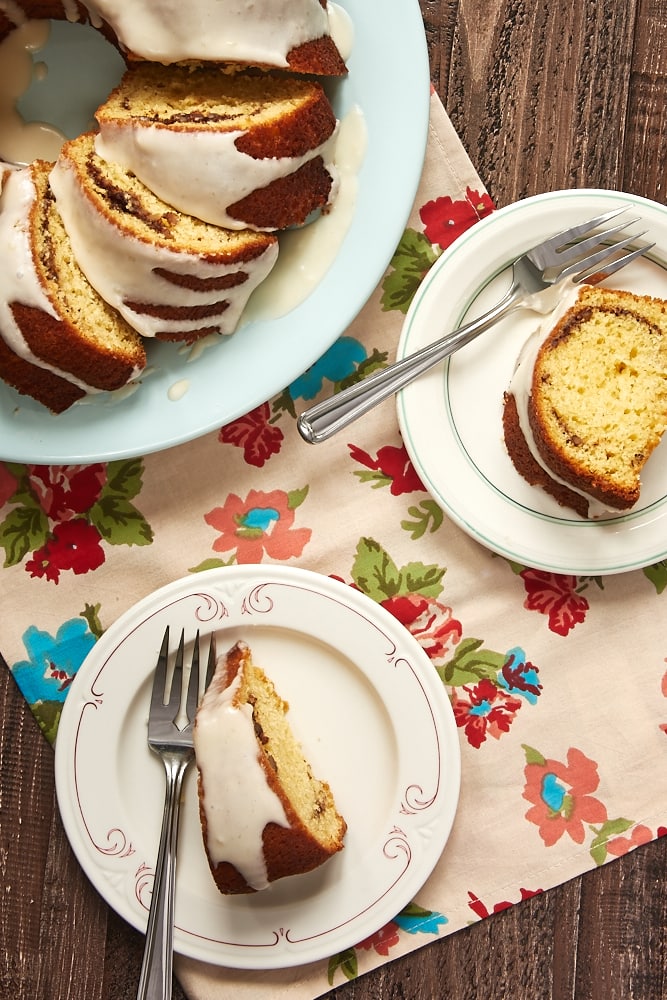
[[484, 710], [393, 466], [262, 524], [621, 845], [444, 219], [431, 623], [65, 491], [258, 438], [554, 595], [561, 796], [383, 940]]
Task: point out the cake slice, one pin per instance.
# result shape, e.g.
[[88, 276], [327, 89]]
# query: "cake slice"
[[60, 340], [584, 419], [243, 151], [288, 34], [171, 276], [264, 815]]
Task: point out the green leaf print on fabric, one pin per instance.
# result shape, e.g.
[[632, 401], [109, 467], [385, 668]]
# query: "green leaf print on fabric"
[[413, 258], [657, 574], [471, 663], [347, 962], [427, 517], [375, 572], [24, 530]]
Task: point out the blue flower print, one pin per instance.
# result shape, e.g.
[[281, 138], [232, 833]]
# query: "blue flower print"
[[519, 677], [52, 662], [414, 920], [339, 361]]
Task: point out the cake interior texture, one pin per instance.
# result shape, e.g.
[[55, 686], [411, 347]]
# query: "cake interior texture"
[[599, 402]]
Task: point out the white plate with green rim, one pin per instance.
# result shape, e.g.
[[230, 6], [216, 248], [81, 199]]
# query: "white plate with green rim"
[[451, 418]]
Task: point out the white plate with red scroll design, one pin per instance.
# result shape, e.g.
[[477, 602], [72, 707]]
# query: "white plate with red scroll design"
[[374, 720]]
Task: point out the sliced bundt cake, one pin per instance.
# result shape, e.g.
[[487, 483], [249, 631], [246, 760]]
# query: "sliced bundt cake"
[[242, 151], [264, 815], [170, 275]]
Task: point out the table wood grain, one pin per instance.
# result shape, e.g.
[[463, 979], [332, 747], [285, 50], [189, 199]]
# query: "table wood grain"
[[544, 96]]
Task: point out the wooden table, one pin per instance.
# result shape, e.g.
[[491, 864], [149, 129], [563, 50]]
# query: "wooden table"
[[544, 96]]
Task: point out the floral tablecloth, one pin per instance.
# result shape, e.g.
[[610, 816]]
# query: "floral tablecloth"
[[558, 683]]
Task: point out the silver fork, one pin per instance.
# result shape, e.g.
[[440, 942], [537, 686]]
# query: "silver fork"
[[537, 277], [170, 723]]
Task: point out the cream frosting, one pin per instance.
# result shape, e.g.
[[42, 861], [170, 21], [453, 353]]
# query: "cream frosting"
[[521, 386], [227, 30], [200, 173], [124, 269], [18, 279], [237, 800]]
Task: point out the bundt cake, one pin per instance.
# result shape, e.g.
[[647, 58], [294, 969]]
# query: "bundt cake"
[[292, 35], [237, 151], [218, 105], [588, 402], [264, 815], [169, 275], [60, 340]]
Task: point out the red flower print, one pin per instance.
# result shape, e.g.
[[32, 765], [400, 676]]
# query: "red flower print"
[[65, 491], [8, 484], [554, 595], [74, 545], [262, 524], [560, 796], [621, 845], [486, 710], [478, 907], [430, 622], [393, 466], [444, 220], [253, 432], [384, 939]]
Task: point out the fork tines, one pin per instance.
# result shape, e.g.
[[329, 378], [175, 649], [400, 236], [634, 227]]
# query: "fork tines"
[[167, 699]]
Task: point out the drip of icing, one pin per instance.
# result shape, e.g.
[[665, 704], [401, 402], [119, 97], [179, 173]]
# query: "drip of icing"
[[306, 254], [238, 802], [178, 389], [342, 29], [22, 141]]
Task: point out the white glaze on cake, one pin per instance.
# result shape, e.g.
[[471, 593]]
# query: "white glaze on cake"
[[200, 173], [227, 30], [18, 279], [124, 269], [238, 802]]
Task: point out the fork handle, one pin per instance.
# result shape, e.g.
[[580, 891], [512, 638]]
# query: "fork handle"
[[325, 419], [156, 969]]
